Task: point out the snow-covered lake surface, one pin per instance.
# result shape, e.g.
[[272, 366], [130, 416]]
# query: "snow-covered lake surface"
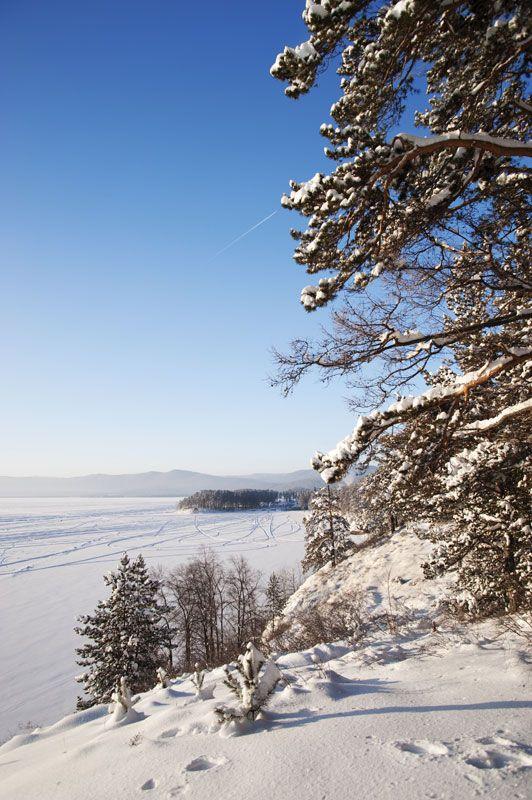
[[53, 553]]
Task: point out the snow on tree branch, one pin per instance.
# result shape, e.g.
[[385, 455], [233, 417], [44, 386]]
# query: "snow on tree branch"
[[334, 465], [454, 140], [488, 424]]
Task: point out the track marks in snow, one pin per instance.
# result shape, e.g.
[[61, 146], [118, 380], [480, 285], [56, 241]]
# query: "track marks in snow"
[[44, 541], [190, 772], [423, 748], [170, 733], [493, 753], [177, 791], [501, 753], [204, 763]]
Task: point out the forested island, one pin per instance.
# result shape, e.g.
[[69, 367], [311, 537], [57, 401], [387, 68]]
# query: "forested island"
[[237, 500]]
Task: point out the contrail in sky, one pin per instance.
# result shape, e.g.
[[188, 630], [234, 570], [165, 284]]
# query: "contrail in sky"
[[234, 241]]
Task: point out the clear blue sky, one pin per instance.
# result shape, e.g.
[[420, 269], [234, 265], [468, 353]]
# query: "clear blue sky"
[[138, 137]]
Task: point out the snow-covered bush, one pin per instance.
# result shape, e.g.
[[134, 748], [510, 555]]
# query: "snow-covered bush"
[[519, 625], [329, 621], [198, 678], [320, 670], [162, 678], [252, 680], [121, 707]]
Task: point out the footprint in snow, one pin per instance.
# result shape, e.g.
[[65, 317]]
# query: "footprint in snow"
[[504, 754], [423, 748], [505, 742], [169, 734], [204, 763], [176, 791]]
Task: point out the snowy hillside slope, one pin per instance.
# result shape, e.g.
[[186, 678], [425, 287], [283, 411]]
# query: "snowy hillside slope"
[[418, 714], [388, 577]]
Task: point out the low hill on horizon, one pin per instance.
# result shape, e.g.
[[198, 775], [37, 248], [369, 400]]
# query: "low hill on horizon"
[[177, 482]]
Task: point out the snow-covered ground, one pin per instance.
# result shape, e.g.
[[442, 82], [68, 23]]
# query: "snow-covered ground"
[[417, 714], [53, 553]]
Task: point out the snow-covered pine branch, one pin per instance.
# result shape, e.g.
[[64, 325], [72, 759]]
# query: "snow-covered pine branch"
[[359, 229], [406, 148], [252, 680], [525, 407], [334, 465]]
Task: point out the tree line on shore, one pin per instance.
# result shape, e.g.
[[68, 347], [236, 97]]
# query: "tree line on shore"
[[241, 499]]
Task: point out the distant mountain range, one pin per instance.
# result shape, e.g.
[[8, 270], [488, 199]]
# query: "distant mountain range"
[[177, 483]]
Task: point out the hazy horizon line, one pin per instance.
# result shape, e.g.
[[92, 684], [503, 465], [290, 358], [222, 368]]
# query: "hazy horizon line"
[[242, 473]]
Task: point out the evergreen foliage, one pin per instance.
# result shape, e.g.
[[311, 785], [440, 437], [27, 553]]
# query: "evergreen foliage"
[[124, 637], [427, 240], [252, 680], [369, 507], [327, 532], [476, 491], [276, 597], [238, 499]]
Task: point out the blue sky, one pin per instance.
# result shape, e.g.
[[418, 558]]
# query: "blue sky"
[[138, 137]]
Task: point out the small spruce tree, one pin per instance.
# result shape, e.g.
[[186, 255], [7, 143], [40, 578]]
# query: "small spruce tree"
[[125, 640], [276, 597], [327, 532], [252, 680]]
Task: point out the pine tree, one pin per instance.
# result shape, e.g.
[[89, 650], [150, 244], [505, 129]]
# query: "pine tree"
[[276, 597], [327, 532], [125, 640], [427, 240], [474, 483], [252, 681]]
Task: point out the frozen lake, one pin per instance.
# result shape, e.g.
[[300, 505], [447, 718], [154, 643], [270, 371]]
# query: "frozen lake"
[[53, 553]]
